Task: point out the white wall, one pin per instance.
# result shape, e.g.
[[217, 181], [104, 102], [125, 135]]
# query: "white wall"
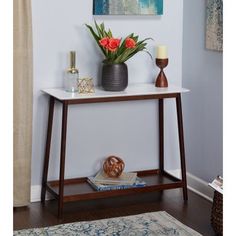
[[127, 129], [202, 74]]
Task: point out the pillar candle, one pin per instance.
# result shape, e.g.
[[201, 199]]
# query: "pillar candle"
[[161, 52]]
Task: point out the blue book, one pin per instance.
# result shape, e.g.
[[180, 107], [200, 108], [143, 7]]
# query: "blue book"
[[102, 187]]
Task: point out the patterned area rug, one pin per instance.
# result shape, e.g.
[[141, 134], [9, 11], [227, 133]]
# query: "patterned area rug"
[[155, 223]]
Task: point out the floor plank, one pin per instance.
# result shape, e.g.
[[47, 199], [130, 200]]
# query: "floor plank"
[[195, 213]]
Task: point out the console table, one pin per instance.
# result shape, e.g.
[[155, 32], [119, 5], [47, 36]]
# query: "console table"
[[67, 190]]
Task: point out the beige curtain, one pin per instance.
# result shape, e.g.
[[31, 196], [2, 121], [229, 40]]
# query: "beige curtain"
[[22, 99]]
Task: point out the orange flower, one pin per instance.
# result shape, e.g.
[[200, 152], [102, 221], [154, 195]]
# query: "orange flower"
[[113, 44], [130, 43], [116, 50], [104, 42]]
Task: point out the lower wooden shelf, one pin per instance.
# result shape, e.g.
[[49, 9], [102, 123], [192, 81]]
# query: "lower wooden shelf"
[[79, 189]]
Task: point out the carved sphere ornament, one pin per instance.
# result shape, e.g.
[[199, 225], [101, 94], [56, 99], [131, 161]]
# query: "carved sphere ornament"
[[113, 166]]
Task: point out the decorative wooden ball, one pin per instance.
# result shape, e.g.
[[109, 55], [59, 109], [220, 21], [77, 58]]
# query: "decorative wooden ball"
[[113, 166]]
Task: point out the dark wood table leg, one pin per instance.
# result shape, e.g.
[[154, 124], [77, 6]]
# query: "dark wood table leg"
[[161, 135], [181, 145], [62, 160], [47, 148]]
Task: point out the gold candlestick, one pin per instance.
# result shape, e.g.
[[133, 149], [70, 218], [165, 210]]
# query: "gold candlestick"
[[71, 75]]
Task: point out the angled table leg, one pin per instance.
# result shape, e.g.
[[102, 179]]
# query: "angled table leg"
[[181, 145], [47, 149], [62, 159], [161, 135]]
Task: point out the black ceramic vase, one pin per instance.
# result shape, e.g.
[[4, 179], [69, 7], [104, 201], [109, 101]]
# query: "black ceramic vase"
[[114, 77]]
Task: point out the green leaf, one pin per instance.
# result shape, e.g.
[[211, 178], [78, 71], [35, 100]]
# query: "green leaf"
[[100, 33], [135, 39], [148, 53], [109, 33], [102, 27], [97, 38]]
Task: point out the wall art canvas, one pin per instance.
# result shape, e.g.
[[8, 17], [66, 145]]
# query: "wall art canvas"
[[128, 7], [214, 25]]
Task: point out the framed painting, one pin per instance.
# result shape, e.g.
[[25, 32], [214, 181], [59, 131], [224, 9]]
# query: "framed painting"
[[214, 25], [128, 7]]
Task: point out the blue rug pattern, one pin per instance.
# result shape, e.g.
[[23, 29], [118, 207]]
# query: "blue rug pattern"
[[148, 224]]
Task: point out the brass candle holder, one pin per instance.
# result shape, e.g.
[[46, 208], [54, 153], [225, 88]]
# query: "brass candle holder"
[[161, 80]]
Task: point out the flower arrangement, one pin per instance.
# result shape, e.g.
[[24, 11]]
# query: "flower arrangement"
[[114, 49]]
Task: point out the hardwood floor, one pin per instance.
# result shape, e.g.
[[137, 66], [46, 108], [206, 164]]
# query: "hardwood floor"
[[195, 213]]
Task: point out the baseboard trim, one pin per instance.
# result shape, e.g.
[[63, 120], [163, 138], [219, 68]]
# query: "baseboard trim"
[[200, 187], [195, 184], [36, 194]]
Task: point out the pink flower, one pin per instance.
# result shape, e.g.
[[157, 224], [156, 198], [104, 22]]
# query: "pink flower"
[[113, 44], [130, 43], [104, 42]]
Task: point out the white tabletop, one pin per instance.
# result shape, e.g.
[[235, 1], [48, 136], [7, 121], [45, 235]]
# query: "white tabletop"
[[131, 90]]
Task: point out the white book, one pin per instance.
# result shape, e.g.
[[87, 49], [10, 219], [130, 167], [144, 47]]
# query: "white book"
[[124, 178], [217, 184]]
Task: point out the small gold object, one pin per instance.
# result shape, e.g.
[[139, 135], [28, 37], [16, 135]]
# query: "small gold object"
[[72, 75], [85, 85], [72, 69]]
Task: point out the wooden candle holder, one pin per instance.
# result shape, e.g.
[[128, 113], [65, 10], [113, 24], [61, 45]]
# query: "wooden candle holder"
[[161, 80]]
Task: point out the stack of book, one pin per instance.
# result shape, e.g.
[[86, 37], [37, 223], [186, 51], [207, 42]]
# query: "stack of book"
[[126, 180], [217, 184]]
